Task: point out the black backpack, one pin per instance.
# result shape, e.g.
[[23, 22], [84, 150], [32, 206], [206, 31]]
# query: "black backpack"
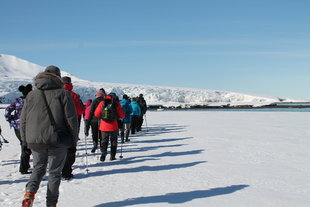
[[109, 109]]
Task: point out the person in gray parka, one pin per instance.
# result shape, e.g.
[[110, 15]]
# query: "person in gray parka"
[[36, 130]]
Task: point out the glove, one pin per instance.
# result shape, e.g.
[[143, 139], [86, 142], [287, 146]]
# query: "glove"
[[27, 151], [10, 118], [86, 133]]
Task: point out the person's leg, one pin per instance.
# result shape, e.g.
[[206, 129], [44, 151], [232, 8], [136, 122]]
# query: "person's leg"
[[113, 137], [24, 160], [127, 130], [134, 124], [67, 169], [104, 145], [17, 134], [24, 157], [139, 123], [39, 169], [79, 123], [56, 161], [94, 131], [40, 157], [122, 129]]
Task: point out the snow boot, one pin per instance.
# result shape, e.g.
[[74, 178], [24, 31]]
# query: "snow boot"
[[67, 177], [25, 172], [102, 157], [93, 150], [28, 199]]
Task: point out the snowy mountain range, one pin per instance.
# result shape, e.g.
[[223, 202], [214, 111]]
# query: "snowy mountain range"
[[15, 71]]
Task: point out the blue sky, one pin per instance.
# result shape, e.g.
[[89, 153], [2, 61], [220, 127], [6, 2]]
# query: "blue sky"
[[258, 47]]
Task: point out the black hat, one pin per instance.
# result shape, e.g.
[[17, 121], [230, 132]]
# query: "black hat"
[[53, 69], [101, 89], [66, 80], [25, 89], [125, 96], [113, 94]]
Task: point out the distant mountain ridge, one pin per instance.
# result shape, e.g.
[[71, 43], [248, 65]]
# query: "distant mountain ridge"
[[15, 71]]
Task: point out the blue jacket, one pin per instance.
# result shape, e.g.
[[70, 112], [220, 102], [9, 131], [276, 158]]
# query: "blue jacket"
[[16, 107], [136, 111], [126, 106]]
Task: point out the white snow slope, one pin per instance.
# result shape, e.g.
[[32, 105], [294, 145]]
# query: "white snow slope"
[[15, 71], [185, 159]]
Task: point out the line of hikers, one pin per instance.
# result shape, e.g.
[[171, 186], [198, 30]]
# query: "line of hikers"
[[52, 107]]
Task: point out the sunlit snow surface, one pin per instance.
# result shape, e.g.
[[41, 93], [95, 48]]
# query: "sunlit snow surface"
[[185, 158]]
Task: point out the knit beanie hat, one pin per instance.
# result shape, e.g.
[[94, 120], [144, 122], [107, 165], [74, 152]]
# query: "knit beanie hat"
[[125, 96], [99, 93], [25, 89], [101, 89], [66, 80], [53, 69]]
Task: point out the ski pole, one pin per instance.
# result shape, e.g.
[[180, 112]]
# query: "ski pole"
[[4, 140], [86, 158]]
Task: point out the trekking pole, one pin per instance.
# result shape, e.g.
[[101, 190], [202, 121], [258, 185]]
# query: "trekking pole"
[[4, 140], [86, 155], [146, 122]]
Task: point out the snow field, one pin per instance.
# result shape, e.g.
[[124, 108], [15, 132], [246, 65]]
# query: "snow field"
[[186, 158]]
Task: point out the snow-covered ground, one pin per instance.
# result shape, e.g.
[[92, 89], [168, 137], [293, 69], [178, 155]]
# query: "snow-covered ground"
[[185, 158]]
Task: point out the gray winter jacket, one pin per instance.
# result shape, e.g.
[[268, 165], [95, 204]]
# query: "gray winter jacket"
[[36, 128]]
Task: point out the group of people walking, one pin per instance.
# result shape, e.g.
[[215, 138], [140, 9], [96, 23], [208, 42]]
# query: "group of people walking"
[[30, 117], [129, 119]]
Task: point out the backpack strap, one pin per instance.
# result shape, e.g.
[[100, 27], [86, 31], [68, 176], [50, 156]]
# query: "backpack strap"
[[48, 110]]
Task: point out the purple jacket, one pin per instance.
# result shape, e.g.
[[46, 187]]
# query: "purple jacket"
[[16, 107]]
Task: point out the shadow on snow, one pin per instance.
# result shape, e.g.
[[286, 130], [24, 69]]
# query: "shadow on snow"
[[175, 198], [138, 159], [138, 169]]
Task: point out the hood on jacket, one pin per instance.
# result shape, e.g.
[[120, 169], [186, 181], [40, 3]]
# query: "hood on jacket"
[[66, 80], [53, 69], [87, 104], [46, 81], [68, 86]]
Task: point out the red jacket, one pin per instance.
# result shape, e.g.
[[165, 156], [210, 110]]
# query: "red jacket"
[[76, 99], [87, 110], [109, 126]]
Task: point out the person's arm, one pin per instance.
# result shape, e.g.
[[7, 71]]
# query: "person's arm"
[[8, 112], [23, 121], [93, 107], [139, 110], [98, 110], [120, 111], [70, 115]]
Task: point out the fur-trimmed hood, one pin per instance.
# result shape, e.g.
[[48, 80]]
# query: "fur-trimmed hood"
[[47, 81]]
